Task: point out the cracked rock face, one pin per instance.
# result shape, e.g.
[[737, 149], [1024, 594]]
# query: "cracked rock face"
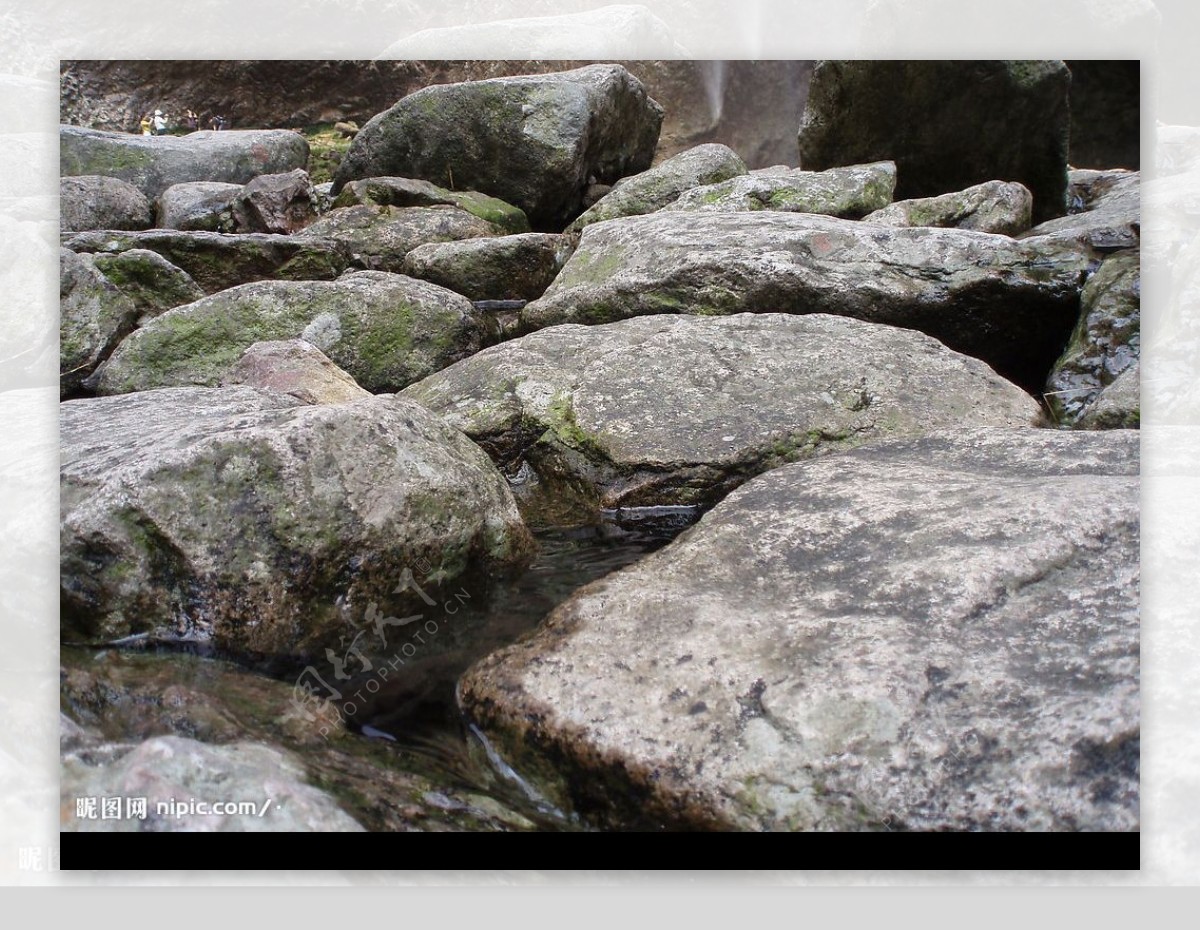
[[680, 409], [932, 634]]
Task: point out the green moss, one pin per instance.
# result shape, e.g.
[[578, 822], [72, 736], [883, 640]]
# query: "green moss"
[[386, 342], [326, 149], [565, 427]]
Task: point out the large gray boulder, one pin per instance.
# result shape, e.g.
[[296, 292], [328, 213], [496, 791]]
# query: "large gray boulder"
[[380, 237], [677, 410], [94, 315], [154, 163], [411, 192], [1106, 341], [296, 368], [501, 268], [385, 330], [850, 192], [149, 280], [94, 202], [1003, 207], [216, 261], [946, 124], [535, 141], [1011, 303], [197, 206], [937, 634], [250, 520], [656, 187]]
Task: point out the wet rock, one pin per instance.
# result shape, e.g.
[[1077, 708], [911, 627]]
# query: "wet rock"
[[535, 141], [149, 280], [671, 410], [93, 202], [296, 368], [154, 163], [1118, 406], [386, 331], [94, 315], [217, 261], [936, 634], [198, 206], [276, 203], [247, 519], [1086, 186], [380, 237], [503, 268], [1002, 207], [846, 192], [1111, 218], [656, 187], [1011, 303], [410, 192], [1106, 341], [946, 124]]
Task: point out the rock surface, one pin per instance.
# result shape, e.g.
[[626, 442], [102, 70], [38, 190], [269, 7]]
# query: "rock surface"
[[535, 141], [410, 192], [380, 237], [154, 163], [149, 280], [677, 410], [502, 268], [1106, 341], [216, 261], [1010, 303], [94, 315], [656, 187], [296, 368], [946, 124], [276, 203], [1118, 406], [198, 206], [94, 202], [850, 192], [1111, 220], [245, 518], [1002, 207], [939, 634], [386, 331]]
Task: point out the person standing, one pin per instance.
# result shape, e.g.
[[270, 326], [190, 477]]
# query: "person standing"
[[160, 123], [146, 125]]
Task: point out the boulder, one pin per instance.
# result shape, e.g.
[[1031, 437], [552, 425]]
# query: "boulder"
[[276, 203], [535, 141], [1011, 303], [198, 206], [677, 410], [1087, 186], [94, 315], [380, 237], [170, 772], [410, 192], [656, 187], [1106, 341], [216, 261], [149, 280], [849, 192], [154, 163], [296, 368], [1002, 207], [946, 124], [503, 268], [94, 202], [245, 518], [1111, 218], [934, 634], [1106, 113], [1118, 406], [386, 331]]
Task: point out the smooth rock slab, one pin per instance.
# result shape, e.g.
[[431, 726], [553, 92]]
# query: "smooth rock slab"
[[1013, 304], [94, 202], [216, 261], [154, 163], [535, 141], [937, 634], [386, 331], [245, 518], [656, 187], [850, 192], [671, 410], [296, 368], [501, 268], [1002, 207]]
